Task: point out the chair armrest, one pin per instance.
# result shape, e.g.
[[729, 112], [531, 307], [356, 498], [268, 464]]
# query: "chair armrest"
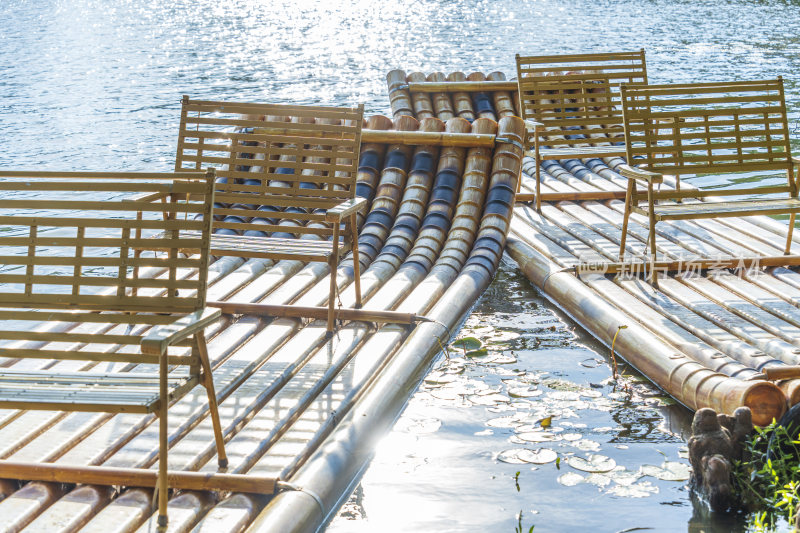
[[348, 207], [161, 337], [635, 173]]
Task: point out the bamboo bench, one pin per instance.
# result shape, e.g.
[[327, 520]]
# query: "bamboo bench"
[[69, 252], [287, 180], [570, 104], [706, 128]]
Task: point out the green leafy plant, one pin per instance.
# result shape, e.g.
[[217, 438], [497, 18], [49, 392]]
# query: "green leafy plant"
[[767, 478]]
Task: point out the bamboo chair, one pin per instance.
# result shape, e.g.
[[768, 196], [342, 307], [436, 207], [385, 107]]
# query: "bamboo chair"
[[69, 258], [706, 128], [287, 180], [570, 104]]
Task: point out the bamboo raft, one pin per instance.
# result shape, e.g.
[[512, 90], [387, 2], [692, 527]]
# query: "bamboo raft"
[[300, 411], [722, 329]]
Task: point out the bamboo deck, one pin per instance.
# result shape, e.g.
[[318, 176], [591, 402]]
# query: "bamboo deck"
[[304, 411], [708, 336], [712, 328], [298, 411]]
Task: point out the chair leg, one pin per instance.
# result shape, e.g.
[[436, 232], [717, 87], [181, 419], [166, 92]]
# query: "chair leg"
[[625, 216], [208, 383], [538, 186], [333, 262], [652, 235], [163, 462], [789, 234], [331, 297], [356, 263]]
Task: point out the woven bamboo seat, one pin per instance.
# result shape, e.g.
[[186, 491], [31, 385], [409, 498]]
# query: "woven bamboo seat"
[[684, 210], [570, 104], [706, 128], [286, 180], [81, 331], [89, 391]]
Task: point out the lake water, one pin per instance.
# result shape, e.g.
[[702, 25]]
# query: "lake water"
[[96, 85]]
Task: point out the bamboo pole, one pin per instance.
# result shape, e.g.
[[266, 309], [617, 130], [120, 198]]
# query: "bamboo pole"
[[503, 101], [135, 477], [462, 103], [412, 206], [687, 381], [421, 102], [482, 101], [428, 138], [442, 105], [399, 97], [369, 166], [317, 313]]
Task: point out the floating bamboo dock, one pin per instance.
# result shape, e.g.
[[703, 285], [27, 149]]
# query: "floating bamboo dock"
[[300, 412], [720, 331]]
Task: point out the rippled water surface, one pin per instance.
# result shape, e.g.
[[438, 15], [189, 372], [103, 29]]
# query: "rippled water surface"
[[96, 85]]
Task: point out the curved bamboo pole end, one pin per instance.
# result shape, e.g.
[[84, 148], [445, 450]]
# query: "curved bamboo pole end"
[[766, 401], [791, 388]]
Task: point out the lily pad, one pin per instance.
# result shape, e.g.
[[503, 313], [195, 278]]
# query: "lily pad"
[[595, 463], [571, 436], [467, 344], [439, 378], [587, 445], [600, 480], [570, 479], [445, 394], [536, 436], [637, 490], [503, 422], [523, 392], [668, 471], [541, 456], [511, 456], [624, 477]]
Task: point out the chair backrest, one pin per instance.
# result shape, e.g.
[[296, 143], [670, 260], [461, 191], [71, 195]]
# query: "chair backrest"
[[74, 239], [701, 128], [576, 96], [274, 163]]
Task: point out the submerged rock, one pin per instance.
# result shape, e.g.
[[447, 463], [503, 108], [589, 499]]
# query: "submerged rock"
[[716, 442]]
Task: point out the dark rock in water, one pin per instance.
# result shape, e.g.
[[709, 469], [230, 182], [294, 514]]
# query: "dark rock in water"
[[716, 442]]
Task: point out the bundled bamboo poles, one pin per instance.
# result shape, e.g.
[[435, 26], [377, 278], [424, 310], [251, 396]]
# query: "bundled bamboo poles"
[[417, 237], [472, 96], [327, 472], [741, 326]]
